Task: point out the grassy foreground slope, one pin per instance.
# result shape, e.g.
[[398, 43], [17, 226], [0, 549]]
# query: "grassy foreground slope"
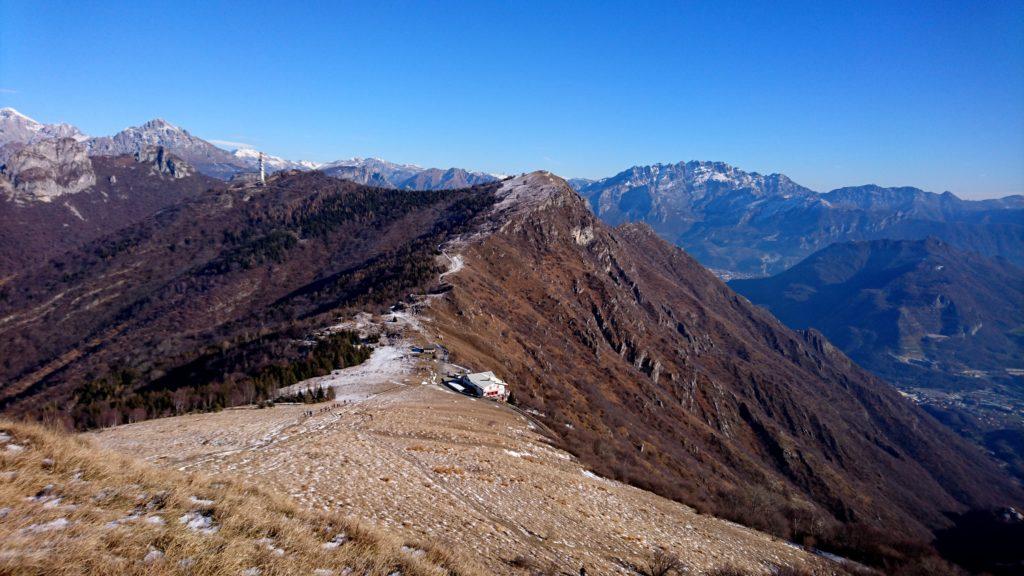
[[67, 507]]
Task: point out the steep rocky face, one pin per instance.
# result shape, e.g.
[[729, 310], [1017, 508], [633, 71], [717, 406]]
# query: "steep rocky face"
[[163, 163], [654, 372], [206, 157], [47, 169], [748, 224]]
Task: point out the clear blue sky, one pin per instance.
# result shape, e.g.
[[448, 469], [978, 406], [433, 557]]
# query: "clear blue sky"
[[894, 93]]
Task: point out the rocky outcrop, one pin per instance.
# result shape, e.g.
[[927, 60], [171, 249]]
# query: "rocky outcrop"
[[47, 169], [163, 163]]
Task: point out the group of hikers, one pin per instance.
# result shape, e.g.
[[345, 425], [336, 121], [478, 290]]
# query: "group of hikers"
[[326, 408]]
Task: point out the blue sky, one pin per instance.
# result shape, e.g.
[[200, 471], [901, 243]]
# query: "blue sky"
[[831, 94]]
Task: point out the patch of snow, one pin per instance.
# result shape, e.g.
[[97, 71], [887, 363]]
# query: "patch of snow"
[[339, 539], [152, 556], [202, 523], [4, 437], [200, 501], [414, 552], [58, 524], [386, 365], [269, 544], [14, 448], [74, 211], [457, 263]]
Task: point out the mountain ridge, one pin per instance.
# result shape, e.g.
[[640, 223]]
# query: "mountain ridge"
[[748, 224], [670, 381]]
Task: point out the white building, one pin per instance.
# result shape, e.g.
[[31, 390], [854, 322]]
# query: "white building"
[[484, 385]]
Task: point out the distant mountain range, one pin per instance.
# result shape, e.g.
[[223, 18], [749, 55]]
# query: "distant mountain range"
[[744, 224], [740, 224], [377, 172], [18, 130]]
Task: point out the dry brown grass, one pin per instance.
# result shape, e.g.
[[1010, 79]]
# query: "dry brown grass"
[[67, 507]]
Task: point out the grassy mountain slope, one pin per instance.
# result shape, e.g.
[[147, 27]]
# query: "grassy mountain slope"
[[68, 507]]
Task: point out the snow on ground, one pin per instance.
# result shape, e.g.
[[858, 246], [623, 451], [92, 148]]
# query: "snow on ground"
[[387, 367], [457, 263]]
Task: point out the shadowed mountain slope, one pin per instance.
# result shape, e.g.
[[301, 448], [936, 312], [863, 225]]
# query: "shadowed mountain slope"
[[123, 190], [210, 302], [915, 312]]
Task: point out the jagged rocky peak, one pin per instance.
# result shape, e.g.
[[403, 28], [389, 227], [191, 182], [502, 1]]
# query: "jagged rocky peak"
[[163, 162], [46, 169], [699, 177]]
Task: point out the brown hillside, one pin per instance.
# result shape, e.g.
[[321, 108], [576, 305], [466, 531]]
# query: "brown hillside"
[[653, 371], [212, 301], [125, 192]]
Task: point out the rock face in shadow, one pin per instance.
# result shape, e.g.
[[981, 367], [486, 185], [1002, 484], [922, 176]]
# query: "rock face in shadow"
[[163, 162], [654, 372]]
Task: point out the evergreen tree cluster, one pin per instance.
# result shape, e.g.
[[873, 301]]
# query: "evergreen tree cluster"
[[113, 398]]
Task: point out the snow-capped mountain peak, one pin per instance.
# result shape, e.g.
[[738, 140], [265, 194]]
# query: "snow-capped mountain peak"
[[17, 128], [251, 156]]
